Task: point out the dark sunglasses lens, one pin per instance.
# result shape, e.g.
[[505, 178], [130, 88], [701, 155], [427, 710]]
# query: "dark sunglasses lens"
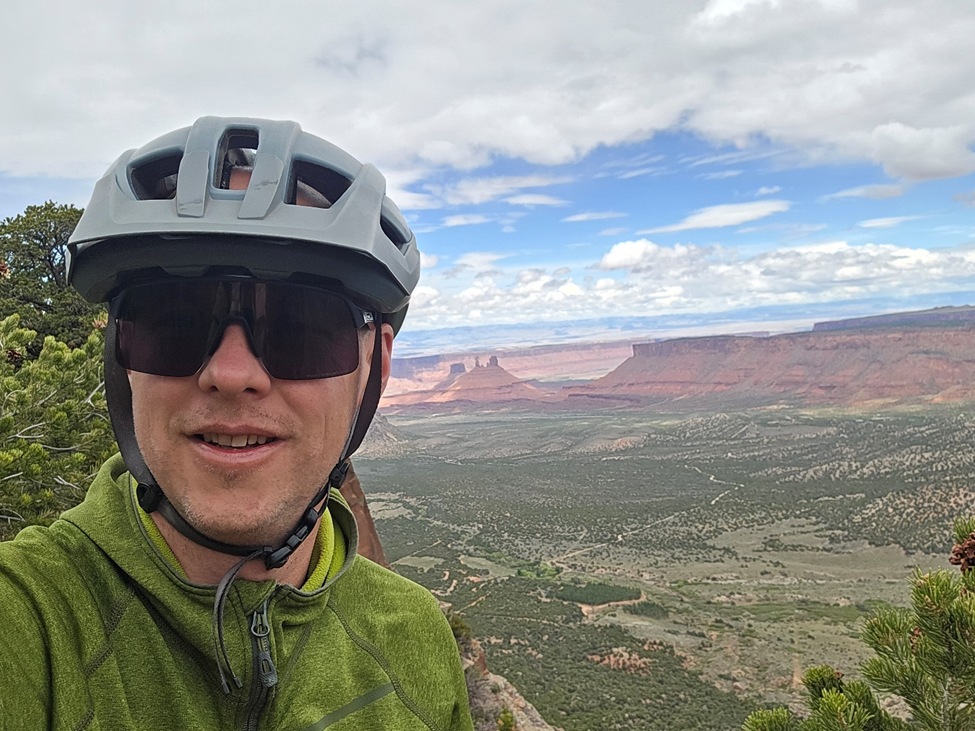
[[307, 333], [300, 333], [164, 329]]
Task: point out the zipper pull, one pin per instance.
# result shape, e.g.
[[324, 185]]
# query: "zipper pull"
[[260, 629]]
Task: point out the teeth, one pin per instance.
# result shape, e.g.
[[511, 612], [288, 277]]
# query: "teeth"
[[236, 441]]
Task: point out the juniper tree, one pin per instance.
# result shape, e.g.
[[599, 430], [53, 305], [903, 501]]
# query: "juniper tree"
[[54, 428], [925, 654], [33, 279]]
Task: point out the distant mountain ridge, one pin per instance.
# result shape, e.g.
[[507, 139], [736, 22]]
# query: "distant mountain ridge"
[[936, 316], [924, 357]]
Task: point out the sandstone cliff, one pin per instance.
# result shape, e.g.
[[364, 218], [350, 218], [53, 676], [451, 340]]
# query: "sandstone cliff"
[[851, 367]]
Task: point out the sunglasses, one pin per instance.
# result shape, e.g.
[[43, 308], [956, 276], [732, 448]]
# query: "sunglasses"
[[298, 332]]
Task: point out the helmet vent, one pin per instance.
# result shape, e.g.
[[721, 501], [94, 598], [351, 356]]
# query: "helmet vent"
[[236, 150], [393, 232], [156, 179], [316, 186]]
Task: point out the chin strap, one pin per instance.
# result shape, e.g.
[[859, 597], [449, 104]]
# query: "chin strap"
[[151, 498]]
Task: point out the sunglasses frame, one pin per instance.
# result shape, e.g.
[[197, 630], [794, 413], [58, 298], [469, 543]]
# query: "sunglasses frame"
[[361, 318]]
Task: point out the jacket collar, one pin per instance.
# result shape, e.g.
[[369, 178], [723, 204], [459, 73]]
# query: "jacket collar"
[[109, 516]]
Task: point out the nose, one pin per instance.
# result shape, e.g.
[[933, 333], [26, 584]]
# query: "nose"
[[233, 368]]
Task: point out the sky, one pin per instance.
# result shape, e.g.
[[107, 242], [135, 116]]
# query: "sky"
[[572, 170]]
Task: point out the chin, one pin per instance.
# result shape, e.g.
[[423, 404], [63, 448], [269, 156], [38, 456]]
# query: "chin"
[[239, 527]]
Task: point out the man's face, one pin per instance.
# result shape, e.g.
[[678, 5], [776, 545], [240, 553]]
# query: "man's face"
[[294, 433]]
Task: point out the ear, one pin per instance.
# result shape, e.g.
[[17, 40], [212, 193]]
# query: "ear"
[[387, 335]]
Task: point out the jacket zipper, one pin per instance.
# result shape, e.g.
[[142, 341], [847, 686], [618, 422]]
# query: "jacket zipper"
[[265, 674]]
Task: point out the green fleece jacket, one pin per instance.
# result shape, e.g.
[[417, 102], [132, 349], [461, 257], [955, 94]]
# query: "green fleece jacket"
[[100, 630]]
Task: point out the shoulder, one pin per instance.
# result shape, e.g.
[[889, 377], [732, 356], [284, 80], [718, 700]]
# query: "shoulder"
[[39, 558], [46, 608], [401, 624], [377, 596], [48, 573]]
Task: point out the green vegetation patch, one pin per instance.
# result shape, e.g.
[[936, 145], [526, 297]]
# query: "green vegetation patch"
[[595, 593], [649, 609], [805, 609]]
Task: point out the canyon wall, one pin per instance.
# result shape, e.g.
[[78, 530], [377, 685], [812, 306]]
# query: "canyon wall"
[[851, 367]]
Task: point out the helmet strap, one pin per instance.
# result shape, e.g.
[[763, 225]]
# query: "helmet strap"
[[370, 397]]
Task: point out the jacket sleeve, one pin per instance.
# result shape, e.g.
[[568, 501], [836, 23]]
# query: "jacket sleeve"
[[25, 666], [461, 719]]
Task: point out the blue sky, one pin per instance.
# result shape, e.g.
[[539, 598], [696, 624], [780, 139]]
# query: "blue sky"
[[572, 170]]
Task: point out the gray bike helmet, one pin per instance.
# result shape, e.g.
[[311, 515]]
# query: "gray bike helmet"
[[168, 206], [167, 210]]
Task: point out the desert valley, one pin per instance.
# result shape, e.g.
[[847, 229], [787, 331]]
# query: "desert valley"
[[664, 534]]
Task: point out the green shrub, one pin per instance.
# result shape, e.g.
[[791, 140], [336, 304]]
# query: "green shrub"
[[506, 720]]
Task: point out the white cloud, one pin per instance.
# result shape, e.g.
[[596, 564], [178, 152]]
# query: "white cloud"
[[640, 277], [967, 198], [732, 157], [768, 190], [886, 222], [464, 219], [428, 261], [655, 170], [641, 255], [423, 296], [721, 175], [612, 231], [637, 161], [877, 192], [921, 153], [594, 216], [728, 214], [535, 199], [480, 260], [478, 263], [461, 84], [475, 191]]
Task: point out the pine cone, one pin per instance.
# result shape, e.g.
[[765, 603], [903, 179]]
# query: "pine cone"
[[963, 554], [916, 634]]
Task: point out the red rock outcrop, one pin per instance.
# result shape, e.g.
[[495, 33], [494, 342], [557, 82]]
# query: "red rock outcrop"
[[571, 361], [481, 384], [490, 694]]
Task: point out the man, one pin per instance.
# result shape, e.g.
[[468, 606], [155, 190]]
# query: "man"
[[256, 276]]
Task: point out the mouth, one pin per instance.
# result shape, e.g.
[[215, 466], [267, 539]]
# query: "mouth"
[[235, 441]]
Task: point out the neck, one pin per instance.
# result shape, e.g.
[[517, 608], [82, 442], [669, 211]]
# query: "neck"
[[205, 566]]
